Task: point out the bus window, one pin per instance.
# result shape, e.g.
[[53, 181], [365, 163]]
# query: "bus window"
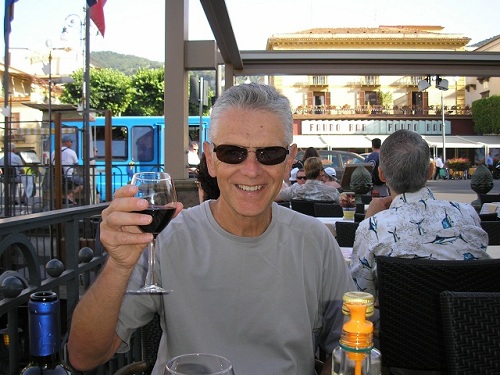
[[143, 143], [119, 142]]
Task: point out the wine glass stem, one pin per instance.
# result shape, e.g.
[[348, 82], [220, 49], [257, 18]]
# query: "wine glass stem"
[[150, 275]]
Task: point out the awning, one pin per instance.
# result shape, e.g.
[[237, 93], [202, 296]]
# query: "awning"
[[304, 141], [492, 141], [335, 142], [43, 131], [452, 141], [347, 141]]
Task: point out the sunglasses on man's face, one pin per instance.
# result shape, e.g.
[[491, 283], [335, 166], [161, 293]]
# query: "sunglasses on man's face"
[[235, 154], [301, 177]]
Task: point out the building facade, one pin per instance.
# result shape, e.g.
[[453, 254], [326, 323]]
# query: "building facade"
[[33, 77], [346, 112]]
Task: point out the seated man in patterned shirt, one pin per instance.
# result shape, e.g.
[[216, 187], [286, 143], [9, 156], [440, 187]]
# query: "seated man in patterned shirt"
[[411, 223], [314, 189]]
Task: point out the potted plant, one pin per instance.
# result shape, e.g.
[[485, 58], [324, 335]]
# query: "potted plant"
[[348, 203], [459, 164]]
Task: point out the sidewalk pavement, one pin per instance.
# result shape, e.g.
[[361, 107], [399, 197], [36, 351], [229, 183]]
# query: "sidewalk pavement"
[[458, 190]]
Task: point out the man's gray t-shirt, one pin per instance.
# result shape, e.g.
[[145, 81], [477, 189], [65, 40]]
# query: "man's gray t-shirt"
[[264, 303]]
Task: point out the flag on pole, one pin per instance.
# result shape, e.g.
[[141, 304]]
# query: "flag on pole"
[[97, 14], [8, 16]]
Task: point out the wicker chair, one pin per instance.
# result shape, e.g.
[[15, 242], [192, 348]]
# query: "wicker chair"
[[492, 216], [150, 341], [328, 210], [471, 323], [284, 204], [358, 218], [411, 329], [489, 198], [302, 206], [493, 230], [306, 206], [346, 231]]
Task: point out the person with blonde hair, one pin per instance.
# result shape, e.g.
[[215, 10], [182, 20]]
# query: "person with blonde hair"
[[314, 188]]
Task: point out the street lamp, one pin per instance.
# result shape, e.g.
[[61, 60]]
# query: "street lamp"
[[72, 21], [442, 85], [47, 69]]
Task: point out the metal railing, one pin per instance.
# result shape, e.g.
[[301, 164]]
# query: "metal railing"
[[33, 192], [57, 251], [338, 110]]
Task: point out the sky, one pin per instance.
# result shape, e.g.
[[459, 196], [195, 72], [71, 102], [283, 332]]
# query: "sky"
[[137, 27]]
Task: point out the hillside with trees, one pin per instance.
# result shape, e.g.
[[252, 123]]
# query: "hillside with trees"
[[127, 64]]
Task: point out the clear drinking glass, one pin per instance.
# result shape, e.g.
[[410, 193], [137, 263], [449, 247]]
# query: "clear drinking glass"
[[199, 364], [158, 189]]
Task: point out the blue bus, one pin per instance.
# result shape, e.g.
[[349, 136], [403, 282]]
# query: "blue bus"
[[137, 145]]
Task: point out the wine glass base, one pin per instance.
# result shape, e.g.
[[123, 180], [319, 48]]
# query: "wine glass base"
[[150, 289]]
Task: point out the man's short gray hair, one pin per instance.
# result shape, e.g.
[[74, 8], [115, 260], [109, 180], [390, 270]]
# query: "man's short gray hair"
[[254, 96], [405, 160]]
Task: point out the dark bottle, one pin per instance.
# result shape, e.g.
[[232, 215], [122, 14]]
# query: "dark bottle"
[[45, 336]]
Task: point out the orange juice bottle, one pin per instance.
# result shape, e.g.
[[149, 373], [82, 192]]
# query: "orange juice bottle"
[[356, 355]]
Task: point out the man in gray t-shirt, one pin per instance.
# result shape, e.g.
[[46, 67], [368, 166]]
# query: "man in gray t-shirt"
[[253, 281]]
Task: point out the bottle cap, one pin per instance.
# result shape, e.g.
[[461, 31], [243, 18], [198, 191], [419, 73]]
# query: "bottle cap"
[[358, 298], [357, 333]]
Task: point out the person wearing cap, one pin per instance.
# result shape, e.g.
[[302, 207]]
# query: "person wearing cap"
[[16, 162], [301, 176], [329, 177], [68, 160], [293, 176], [314, 188]]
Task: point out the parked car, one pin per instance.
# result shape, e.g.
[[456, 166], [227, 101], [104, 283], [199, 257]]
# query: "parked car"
[[336, 159]]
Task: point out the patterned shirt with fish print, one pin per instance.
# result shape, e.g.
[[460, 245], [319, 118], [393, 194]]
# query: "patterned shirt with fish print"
[[416, 225]]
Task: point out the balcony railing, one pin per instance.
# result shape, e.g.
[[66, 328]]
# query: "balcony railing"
[[318, 81], [340, 110], [407, 81], [365, 81]]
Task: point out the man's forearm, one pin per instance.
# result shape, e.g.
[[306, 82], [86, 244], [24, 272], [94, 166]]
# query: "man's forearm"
[[93, 340], [327, 366]]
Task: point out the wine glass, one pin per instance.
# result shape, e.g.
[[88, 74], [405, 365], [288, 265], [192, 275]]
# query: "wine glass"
[[158, 189], [199, 364]]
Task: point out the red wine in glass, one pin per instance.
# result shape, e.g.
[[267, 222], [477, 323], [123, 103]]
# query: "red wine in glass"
[[158, 189], [161, 217]]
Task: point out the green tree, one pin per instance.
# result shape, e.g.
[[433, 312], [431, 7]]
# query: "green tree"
[[209, 77], [486, 115], [386, 99], [148, 87], [109, 89]]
